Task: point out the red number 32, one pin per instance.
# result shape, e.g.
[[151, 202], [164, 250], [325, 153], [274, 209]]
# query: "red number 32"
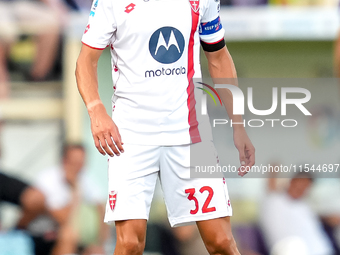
[[205, 208]]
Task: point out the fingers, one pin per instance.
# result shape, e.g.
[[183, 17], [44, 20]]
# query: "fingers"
[[111, 145], [103, 142], [242, 169], [247, 159], [251, 157], [242, 157], [117, 139], [97, 144], [106, 136]]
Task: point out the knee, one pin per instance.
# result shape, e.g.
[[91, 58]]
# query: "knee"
[[133, 246], [221, 245]]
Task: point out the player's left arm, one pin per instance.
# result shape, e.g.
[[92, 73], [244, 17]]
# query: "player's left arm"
[[221, 66]]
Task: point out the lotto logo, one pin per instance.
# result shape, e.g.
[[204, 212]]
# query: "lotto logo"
[[87, 28], [130, 8]]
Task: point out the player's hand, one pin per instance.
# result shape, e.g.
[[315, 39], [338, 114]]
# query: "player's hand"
[[105, 132], [246, 150]]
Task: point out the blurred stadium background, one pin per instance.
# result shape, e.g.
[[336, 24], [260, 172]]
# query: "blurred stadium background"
[[267, 39]]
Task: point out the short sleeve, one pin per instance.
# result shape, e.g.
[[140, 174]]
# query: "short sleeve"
[[211, 30], [101, 25]]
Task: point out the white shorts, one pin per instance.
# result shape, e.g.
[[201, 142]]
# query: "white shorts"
[[132, 180]]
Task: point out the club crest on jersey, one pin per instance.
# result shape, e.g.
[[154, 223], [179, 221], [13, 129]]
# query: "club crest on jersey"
[[112, 199], [195, 5]]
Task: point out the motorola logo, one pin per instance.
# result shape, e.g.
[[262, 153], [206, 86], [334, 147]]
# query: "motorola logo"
[[166, 45]]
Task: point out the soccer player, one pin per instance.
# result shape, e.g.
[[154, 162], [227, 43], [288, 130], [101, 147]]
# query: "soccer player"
[[155, 47]]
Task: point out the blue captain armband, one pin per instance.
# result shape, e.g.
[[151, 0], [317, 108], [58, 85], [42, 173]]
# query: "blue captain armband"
[[210, 27]]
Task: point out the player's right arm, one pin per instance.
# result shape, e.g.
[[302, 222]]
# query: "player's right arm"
[[104, 130]]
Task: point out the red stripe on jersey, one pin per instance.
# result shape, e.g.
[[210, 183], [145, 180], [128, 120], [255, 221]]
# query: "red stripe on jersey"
[[93, 47], [193, 129]]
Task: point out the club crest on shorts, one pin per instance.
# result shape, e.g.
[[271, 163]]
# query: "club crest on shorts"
[[195, 5], [112, 199]]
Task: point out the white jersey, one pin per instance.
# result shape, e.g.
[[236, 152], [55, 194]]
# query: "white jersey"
[[155, 46]]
